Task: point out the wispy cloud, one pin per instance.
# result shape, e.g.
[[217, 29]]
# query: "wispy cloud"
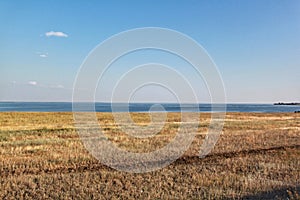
[[60, 86], [43, 55], [56, 34], [39, 85], [34, 83], [56, 86]]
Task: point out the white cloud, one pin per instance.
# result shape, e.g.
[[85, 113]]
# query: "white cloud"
[[56, 34], [43, 55], [32, 83]]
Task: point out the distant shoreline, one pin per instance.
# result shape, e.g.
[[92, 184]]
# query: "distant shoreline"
[[287, 104]]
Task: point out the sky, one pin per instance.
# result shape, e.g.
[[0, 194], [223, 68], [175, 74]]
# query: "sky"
[[255, 45]]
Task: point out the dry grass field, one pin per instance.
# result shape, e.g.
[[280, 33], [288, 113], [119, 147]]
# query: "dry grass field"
[[256, 157]]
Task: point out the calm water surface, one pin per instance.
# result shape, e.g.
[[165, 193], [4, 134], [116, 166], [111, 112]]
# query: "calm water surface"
[[140, 107]]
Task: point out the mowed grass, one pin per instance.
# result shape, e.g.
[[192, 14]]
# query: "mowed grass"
[[257, 156]]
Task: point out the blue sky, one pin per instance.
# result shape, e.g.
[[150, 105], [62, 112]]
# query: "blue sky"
[[255, 44]]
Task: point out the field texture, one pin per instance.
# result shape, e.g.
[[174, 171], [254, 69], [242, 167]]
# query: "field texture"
[[256, 157]]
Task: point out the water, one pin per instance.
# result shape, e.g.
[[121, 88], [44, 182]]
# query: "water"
[[141, 107]]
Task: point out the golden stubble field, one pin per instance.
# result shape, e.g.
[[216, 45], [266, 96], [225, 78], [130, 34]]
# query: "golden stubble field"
[[256, 157]]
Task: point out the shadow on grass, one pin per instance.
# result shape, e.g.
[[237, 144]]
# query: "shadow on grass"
[[193, 159], [95, 165], [281, 193]]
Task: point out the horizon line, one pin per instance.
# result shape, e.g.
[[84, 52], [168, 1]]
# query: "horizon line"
[[144, 102]]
